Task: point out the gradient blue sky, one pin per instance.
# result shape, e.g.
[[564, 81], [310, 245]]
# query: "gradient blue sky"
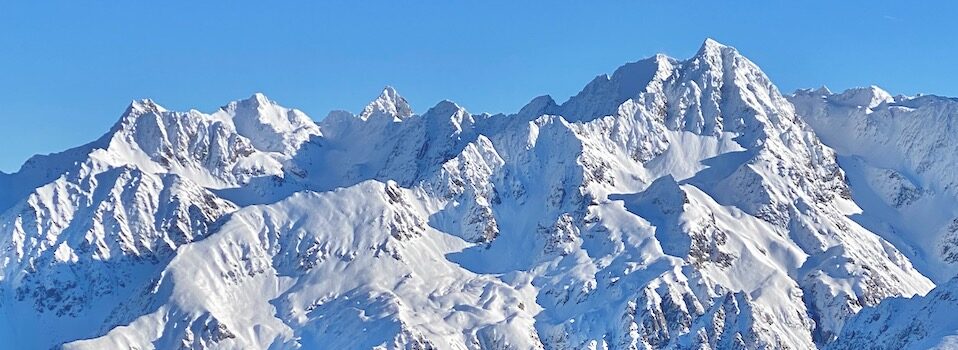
[[69, 68]]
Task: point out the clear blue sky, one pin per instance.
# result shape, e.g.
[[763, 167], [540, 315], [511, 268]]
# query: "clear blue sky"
[[69, 68]]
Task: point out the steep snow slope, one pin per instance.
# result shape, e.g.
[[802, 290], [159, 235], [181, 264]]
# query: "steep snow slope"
[[898, 152], [367, 273], [671, 204], [926, 322], [77, 245]]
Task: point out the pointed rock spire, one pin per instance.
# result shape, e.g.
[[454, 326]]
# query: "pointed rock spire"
[[135, 111], [713, 53], [710, 46], [144, 106], [389, 103]]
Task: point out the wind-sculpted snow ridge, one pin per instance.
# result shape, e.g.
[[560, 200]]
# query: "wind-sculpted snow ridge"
[[674, 204]]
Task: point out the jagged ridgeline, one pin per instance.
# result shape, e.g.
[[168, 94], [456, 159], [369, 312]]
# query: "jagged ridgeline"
[[674, 204]]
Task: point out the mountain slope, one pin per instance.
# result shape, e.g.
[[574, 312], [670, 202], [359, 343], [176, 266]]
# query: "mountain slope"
[[926, 322], [114, 212], [275, 268], [898, 152]]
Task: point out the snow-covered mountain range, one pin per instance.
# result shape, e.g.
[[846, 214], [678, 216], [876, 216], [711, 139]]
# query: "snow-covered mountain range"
[[674, 204]]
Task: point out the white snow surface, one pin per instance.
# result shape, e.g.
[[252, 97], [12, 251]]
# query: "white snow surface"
[[674, 204], [898, 153]]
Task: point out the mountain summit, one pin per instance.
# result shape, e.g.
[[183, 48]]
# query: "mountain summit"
[[671, 204], [388, 104]]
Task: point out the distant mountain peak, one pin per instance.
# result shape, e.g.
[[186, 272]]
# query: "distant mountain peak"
[[715, 52], [145, 105], [866, 97], [258, 99], [255, 101], [604, 94], [538, 106], [712, 46], [716, 55], [445, 107], [390, 104]]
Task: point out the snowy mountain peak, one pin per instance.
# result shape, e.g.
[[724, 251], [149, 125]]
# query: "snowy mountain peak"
[[143, 106], [136, 112], [260, 98], [717, 55], [632, 78], [256, 100], [604, 94], [712, 47], [538, 106], [867, 97], [445, 107], [389, 104], [269, 126]]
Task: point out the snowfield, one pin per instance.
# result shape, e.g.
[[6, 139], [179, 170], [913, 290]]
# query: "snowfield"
[[673, 204]]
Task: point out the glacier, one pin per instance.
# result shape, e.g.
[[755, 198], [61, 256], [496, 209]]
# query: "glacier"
[[672, 204]]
